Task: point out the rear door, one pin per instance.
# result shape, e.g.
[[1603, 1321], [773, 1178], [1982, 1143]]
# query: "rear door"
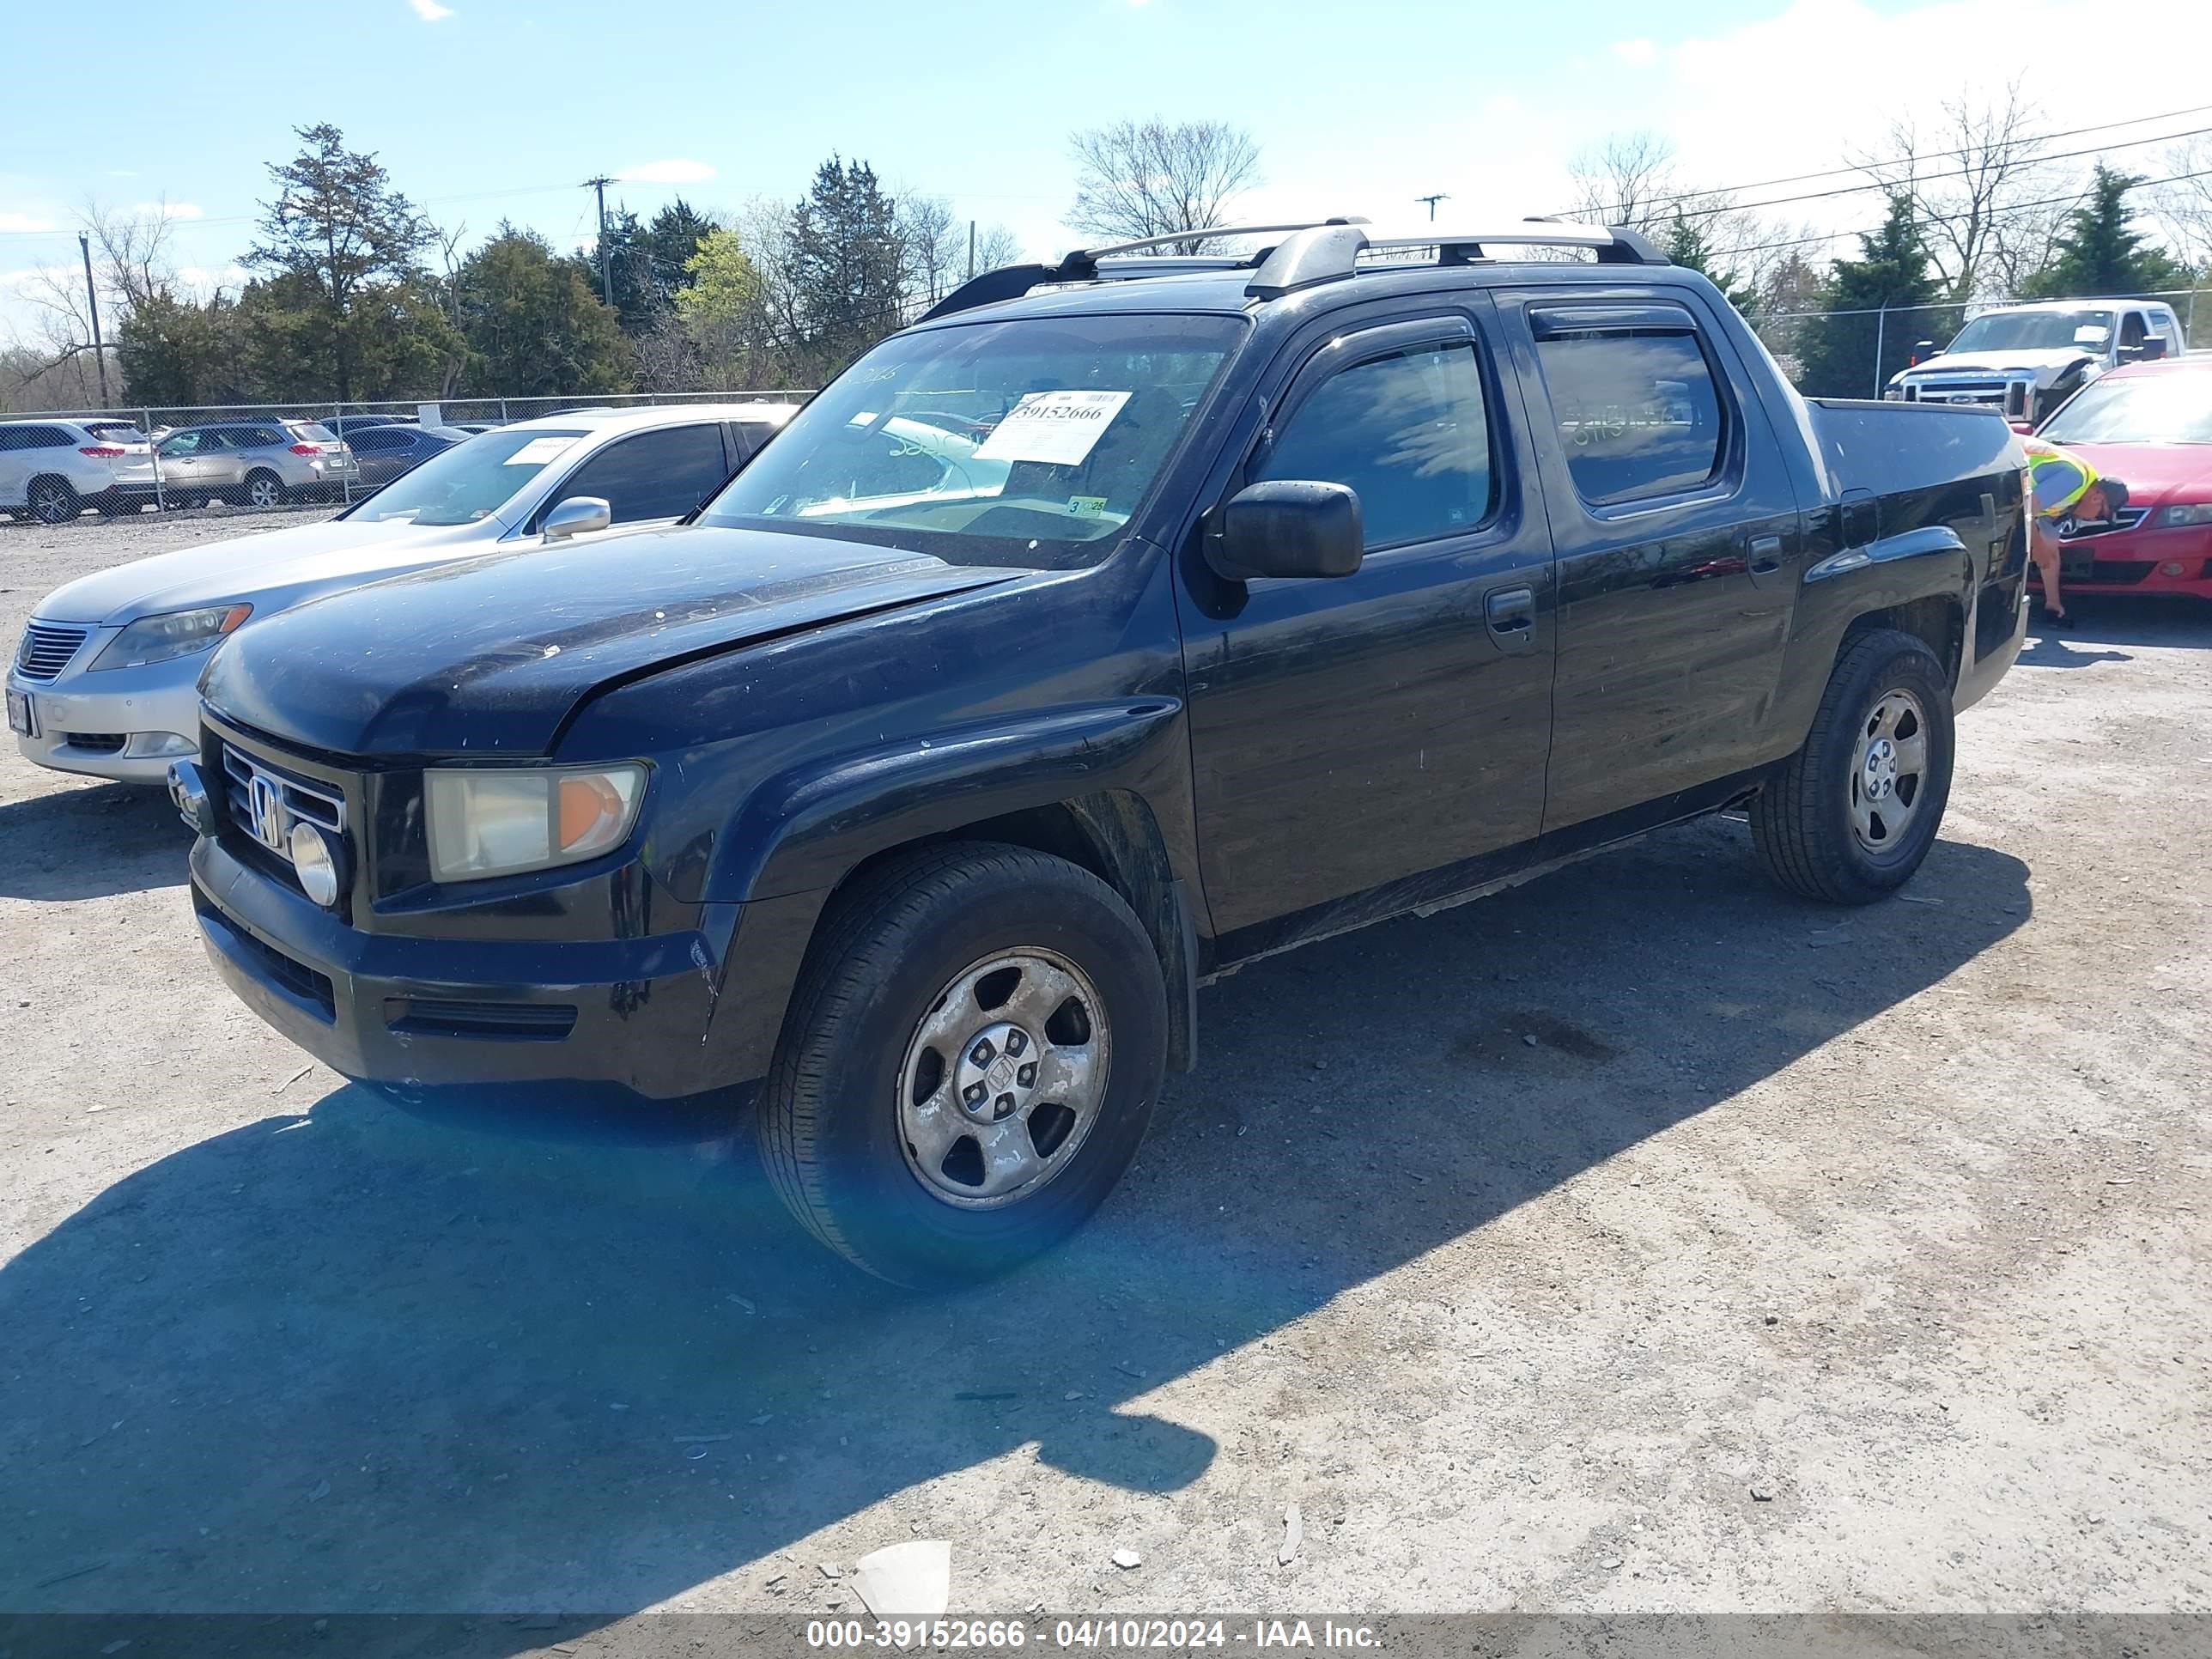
[[15, 456], [1678, 539], [1351, 731]]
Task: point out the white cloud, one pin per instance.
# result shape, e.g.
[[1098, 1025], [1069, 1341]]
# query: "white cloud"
[[24, 222], [669, 170], [1638, 50], [430, 11]]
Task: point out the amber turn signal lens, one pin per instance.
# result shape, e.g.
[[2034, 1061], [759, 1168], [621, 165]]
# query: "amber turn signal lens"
[[589, 809]]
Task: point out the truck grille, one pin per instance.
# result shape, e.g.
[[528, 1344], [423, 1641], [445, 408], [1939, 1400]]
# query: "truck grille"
[[46, 650], [265, 804]]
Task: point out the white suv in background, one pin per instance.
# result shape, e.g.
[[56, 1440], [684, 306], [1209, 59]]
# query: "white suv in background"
[[52, 471]]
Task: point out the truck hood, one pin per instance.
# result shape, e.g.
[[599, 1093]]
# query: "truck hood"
[[2047, 365], [490, 656], [275, 567]]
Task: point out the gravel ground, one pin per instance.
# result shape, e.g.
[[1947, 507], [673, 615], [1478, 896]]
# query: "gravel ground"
[[1639, 1239]]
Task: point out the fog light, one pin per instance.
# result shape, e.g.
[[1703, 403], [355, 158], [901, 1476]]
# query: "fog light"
[[2170, 568], [314, 864]]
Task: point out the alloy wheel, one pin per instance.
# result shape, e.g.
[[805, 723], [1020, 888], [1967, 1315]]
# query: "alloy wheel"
[[1889, 771]]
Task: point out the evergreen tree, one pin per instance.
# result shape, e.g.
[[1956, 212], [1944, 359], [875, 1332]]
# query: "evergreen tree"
[[847, 261], [180, 352], [1838, 354], [671, 240], [340, 250], [1687, 245], [2099, 254], [535, 324]]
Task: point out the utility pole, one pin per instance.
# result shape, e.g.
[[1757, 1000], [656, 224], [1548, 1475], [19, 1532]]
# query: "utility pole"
[[606, 270], [1432, 200], [971, 265], [92, 299]]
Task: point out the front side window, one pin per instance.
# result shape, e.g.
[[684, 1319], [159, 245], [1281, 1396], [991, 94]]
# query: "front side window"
[[1026, 442], [469, 481], [654, 474], [2132, 331], [1638, 412], [1407, 433]]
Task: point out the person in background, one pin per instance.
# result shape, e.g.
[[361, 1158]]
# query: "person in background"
[[2061, 486]]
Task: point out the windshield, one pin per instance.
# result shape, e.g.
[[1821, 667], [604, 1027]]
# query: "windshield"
[[2035, 331], [2149, 408], [469, 481], [1028, 442]]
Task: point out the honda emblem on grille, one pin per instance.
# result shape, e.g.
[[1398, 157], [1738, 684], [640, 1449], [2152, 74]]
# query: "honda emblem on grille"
[[266, 808]]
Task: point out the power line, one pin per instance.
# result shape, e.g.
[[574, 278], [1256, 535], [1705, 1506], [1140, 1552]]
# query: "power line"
[[1946, 219], [1932, 156]]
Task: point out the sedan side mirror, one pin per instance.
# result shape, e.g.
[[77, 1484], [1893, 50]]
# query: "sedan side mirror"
[[2025, 428], [1287, 527], [578, 515]]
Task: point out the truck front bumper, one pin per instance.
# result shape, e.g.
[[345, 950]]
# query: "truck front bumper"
[[567, 1019]]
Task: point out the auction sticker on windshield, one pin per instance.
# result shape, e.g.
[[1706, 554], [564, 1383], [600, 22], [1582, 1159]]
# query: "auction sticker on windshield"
[[539, 451], [1057, 428]]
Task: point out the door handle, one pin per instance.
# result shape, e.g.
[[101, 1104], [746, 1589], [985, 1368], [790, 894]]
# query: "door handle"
[[1765, 557], [1512, 615]]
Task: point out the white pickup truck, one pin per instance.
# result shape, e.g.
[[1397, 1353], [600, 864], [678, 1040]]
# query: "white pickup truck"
[[2028, 359]]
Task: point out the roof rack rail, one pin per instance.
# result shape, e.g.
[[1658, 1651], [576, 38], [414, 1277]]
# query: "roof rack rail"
[[1081, 265], [1316, 250], [1323, 255]]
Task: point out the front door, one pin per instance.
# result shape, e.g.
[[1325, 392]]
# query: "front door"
[[1680, 547], [1355, 731]]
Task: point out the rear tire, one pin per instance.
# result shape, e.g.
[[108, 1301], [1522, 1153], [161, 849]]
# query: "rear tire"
[[1852, 813], [884, 1124], [52, 501], [263, 489]]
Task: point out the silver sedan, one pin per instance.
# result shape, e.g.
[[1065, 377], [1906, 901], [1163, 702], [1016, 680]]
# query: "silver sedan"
[[105, 679]]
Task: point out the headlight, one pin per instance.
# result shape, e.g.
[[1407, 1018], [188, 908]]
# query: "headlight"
[[179, 633], [2185, 512], [503, 822]]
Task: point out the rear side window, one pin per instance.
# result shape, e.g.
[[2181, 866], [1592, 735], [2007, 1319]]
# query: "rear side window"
[[1637, 411], [371, 440], [34, 437], [1408, 433], [655, 475]]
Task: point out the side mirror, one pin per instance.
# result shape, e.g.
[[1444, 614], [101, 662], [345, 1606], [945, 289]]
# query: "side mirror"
[[1287, 527], [2025, 428], [2153, 349], [1921, 351], [578, 515]]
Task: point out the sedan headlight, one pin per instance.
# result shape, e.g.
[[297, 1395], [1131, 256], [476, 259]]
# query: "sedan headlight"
[[2185, 513], [178, 634], [504, 822]]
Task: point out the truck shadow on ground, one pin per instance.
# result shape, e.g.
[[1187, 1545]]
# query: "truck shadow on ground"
[[91, 842], [360, 1360]]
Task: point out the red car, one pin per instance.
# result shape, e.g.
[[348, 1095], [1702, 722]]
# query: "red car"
[[2149, 425]]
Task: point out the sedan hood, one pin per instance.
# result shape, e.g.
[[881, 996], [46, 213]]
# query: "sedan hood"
[[492, 655], [2153, 472], [268, 569]]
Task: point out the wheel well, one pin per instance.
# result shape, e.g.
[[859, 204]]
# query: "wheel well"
[[1937, 619], [1112, 835]]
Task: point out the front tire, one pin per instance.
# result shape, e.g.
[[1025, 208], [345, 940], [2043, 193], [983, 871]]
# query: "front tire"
[[51, 500], [971, 1057], [1853, 813]]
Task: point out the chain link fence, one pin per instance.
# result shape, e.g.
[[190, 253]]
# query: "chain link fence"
[[160, 428]]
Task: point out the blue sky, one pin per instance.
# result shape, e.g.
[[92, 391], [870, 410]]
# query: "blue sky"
[[485, 109]]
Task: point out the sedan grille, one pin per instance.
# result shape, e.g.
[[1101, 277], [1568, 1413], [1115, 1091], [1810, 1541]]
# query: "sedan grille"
[[265, 804], [46, 650]]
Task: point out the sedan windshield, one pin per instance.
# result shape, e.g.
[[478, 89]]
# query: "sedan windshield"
[[469, 481], [2148, 409], [2035, 331], [1029, 442]]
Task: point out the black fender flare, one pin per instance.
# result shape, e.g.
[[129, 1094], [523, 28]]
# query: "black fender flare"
[[1121, 769]]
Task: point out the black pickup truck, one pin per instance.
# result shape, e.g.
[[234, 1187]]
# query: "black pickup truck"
[[1121, 622]]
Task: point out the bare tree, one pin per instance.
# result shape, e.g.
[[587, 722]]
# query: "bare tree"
[[1627, 178], [996, 246], [2184, 208], [933, 245], [1139, 179], [130, 266], [1967, 178]]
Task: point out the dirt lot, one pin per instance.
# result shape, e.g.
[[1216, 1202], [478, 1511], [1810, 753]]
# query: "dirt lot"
[[1803, 1259]]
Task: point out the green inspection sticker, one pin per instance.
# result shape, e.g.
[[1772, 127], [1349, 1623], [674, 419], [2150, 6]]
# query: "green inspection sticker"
[[1086, 505]]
